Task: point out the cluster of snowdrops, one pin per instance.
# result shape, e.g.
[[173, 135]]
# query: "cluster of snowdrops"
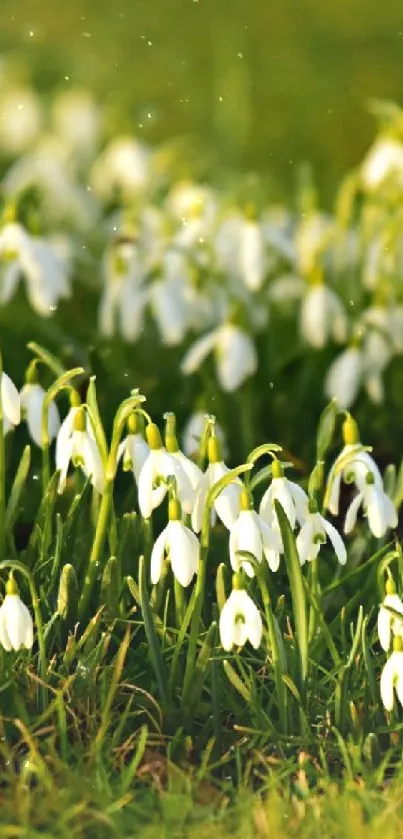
[[202, 490], [210, 267]]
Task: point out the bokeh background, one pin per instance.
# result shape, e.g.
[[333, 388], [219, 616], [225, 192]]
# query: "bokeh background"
[[251, 83]]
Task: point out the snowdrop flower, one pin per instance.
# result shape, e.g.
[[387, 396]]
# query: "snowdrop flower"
[[392, 676], [388, 623], [10, 400], [123, 168], [378, 507], [240, 620], [292, 498], [343, 378], [77, 119], [32, 397], [133, 449], [193, 433], [45, 272], [159, 464], [312, 239], [352, 465], [384, 160], [20, 121], [322, 316], [181, 546], [191, 470], [251, 534], [169, 302], [235, 355], [314, 533], [252, 265], [227, 503], [124, 297], [77, 445], [16, 627]]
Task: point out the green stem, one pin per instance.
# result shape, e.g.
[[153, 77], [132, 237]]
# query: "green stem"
[[180, 603], [275, 655], [2, 471], [314, 586], [18, 566]]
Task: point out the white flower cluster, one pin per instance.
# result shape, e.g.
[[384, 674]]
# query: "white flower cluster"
[[210, 272]]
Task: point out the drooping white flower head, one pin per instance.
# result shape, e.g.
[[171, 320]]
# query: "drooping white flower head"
[[235, 353], [250, 534], [252, 261], [158, 465], [378, 508], [352, 465], [312, 239], [194, 430], [10, 400], [314, 533], [180, 545], [76, 444], [344, 376], [227, 503], [32, 397], [124, 297], [383, 161], [133, 449], [123, 169], [191, 470], [389, 624], [392, 676], [77, 119], [292, 498], [240, 621], [322, 316], [21, 119], [16, 627]]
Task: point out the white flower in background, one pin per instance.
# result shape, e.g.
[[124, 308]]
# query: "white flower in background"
[[133, 449], [187, 201], [123, 169], [194, 430], [252, 262], [20, 120], [159, 464], [292, 498], [352, 465], [378, 508], [251, 534], [16, 626], [170, 300], [377, 349], [124, 298], [180, 545], [235, 353], [45, 273], [322, 316], [284, 291], [75, 444], [227, 503], [392, 676], [389, 624], [240, 621], [32, 397], [77, 119], [314, 533], [312, 239], [343, 379], [10, 400], [383, 162]]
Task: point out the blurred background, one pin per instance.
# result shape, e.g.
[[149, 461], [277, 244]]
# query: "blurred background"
[[250, 83]]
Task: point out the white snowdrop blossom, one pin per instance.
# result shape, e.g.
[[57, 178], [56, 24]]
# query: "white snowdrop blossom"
[[194, 430], [32, 397], [124, 297], [158, 465], [77, 445], [343, 379], [46, 273], [378, 508], [181, 546], [10, 400], [123, 168], [16, 626], [227, 503], [314, 533], [292, 498], [235, 353], [252, 263], [322, 316], [240, 621], [389, 624], [133, 449], [392, 676], [352, 465], [383, 161], [251, 535], [77, 119], [20, 120]]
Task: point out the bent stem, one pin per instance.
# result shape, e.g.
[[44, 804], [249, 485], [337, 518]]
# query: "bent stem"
[[14, 564]]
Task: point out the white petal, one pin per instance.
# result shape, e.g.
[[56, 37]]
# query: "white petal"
[[198, 352], [399, 675], [10, 400], [251, 255], [253, 619], [380, 511], [63, 461], [300, 500], [336, 540], [145, 486], [334, 496], [4, 636], [344, 377], [281, 492], [304, 542], [236, 357], [184, 552], [384, 628], [352, 512], [157, 556], [190, 468], [200, 503], [226, 625], [93, 466], [387, 683], [227, 503]]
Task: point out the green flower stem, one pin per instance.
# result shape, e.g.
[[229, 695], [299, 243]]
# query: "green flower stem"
[[180, 603], [314, 587], [18, 566], [107, 501], [2, 471], [277, 659]]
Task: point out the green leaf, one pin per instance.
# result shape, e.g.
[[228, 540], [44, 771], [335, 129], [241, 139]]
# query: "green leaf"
[[50, 360], [17, 488], [153, 643], [236, 681], [326, 428]]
